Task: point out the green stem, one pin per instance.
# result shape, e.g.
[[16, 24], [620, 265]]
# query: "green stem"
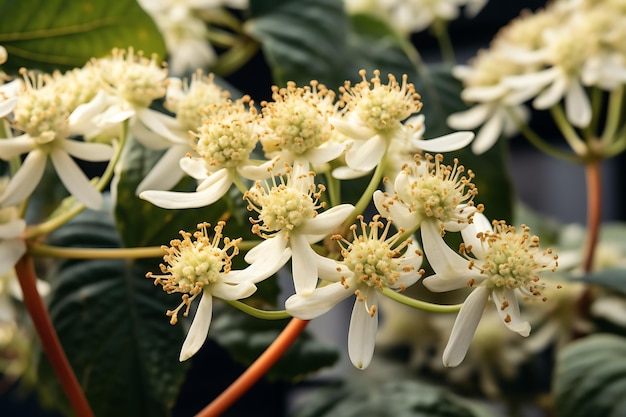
[[239, 184], [569, 133], [420, 305], [440, 28], [540, 143], [233, 59], [614, 114], [258, 313], [334, 190], [59, 220], [95, 253]]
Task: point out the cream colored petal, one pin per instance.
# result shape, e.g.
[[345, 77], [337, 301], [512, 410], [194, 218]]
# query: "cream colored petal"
[[551, 95], [166, 173], [347, 173], [88, 151], [446, 143], [352, 127], [321, 300], [445, 262], [465, 326], [7, 106], [577, 105], [325, 223], [273, 246], [236, 291], [471, 118], [362, 331], [488, 134], [364, 156], [75, 180], [163, 125], [303, 267], [11, 251], [480, 224], [199, 327], [12, 147], [12, 229], [25, 180], [508, 309]]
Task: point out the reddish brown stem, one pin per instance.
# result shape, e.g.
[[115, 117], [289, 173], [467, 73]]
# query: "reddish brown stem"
[[593, 176], [256, 370], [25, 271]]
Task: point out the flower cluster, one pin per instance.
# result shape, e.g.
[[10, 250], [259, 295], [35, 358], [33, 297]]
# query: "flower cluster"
[[551, 56]]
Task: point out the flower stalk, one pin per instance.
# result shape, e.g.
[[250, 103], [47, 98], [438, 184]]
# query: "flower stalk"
[[49, 340]]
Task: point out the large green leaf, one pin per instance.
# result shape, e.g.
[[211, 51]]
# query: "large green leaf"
[[246, 338], [396, 398], [112, 324], [590, 377], [302, 40], [49, 34]]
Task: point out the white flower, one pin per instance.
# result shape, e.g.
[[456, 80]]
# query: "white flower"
[[373, 116], [505, 261], [41, 113], [224, 143], [288, 218], [428, 191], [199, 267], [370, 264], [295, 126]]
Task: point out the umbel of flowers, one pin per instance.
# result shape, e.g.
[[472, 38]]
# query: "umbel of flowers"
[[310, 138]]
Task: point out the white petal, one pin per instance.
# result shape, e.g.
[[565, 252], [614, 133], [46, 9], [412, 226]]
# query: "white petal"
[[488, 134], [25, 180], [199, 327], [273, 246], [532, 80], [74, 179], [364, 156], [411, 262], [362, 332], [194, 167], [352, 127], [260, 172], [471, 118], [10, 252], [465, 327], [347, 173], [12, 229], [205, 196], [318, 302], [166, 173], [237, 291], [324, 224], [446, 143], [303, 266], [508, 309], [16, 146], [480, 224], [484, 93], [395, 210], [445, 262], [163, 125], [7, 106], [263, 266], [331, 270], [577, 105], [88, 151], [326, 152], [81, 119], [437, 283], [552, 95]]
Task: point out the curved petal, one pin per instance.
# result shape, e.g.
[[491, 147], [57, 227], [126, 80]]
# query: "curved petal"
[[81, 120], [465, 326], [352, 128], [480, 224], [395, 210], [362, 332], [347, 173], [411, 263], [326, 152], [484, 93], [364, 156], [180, 200], [324, 224], [446, 143], [194, 167], [227, 291], [10, 252], [445, 262], [331, 270], [577, 105], [199, 327], [163, 125], [263, 266], [16, 146], [471, 118], [318, 302], [269, 247], [75, 180], [488, 134], [508, 309], [551, 95], [303, 268], [437, 283], [7, 106], [25, 180], [88, 151], [260, 172], [165, 174]]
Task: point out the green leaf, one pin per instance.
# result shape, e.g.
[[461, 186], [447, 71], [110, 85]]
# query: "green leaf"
[[590, 377], [246, 338], [614, 279], [112, 324], [302, 40], [143, 224], [397, 398], [62, 34]]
